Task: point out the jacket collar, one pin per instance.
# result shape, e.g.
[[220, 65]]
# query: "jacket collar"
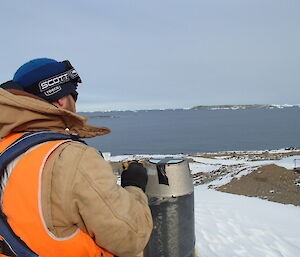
[[21, 111]]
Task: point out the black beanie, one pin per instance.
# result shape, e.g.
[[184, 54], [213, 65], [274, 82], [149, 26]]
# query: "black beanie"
[[48, 78], [11, 85]]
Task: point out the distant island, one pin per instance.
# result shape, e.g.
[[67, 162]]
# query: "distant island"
[[114, 113], [242, 106], [98, 116]]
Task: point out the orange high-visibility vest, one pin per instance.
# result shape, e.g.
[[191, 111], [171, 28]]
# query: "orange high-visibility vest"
[[22, 206]]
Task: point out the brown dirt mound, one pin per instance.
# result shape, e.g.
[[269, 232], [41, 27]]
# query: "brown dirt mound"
[[269, 182]]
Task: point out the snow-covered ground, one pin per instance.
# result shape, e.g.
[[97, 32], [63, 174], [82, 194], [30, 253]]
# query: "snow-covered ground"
[[230, 225]]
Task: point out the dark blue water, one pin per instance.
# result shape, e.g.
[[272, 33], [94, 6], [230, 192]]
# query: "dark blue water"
[[194, 131]]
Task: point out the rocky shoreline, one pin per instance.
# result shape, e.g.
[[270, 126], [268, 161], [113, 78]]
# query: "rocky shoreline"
[[269, 182], [262, 178]]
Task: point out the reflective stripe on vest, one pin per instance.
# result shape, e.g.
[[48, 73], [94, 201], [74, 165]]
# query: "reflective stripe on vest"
[[22, 206]]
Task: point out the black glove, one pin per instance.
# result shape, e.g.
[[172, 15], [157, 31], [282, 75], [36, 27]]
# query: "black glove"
[[135, 175]]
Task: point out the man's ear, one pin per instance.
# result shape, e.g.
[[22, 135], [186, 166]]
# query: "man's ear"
[[60, 103]]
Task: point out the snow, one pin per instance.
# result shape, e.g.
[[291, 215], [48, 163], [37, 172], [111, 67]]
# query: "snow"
[[123, 158], [289, 162], [237, 167], [230, 225], [203, 167], [232, 161]]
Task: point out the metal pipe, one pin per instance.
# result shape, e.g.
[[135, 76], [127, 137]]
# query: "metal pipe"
[[171, 199]]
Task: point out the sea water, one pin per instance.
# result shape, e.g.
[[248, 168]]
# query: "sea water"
[[196, 131]]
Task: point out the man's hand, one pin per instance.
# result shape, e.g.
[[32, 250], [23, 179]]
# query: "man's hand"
[[134, 174]]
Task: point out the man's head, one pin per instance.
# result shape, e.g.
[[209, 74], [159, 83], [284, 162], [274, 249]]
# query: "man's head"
[[55, 82]]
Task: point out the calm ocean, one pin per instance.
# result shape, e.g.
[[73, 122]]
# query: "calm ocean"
[[195, 131]]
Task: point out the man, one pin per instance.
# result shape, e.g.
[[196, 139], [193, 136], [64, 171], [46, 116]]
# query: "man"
[[79, 208]]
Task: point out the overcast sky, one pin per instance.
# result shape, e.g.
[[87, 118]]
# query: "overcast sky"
[[161, 53]]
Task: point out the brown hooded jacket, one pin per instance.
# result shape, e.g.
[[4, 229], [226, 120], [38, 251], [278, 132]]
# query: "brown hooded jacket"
[[79, 189]]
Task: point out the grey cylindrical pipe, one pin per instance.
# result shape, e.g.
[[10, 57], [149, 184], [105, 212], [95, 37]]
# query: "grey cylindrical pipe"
[[171, 199]]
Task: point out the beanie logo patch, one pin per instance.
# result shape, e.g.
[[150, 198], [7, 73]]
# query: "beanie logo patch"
[[52, 91], [59, 79], [73, 74]]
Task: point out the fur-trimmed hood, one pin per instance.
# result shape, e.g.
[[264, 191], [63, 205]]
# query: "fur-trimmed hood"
[[21, 111]]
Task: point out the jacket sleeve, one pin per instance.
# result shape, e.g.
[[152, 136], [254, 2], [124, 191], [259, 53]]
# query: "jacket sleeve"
[[118, 219]]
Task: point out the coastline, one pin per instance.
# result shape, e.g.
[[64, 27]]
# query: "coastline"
[[267, 175]]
